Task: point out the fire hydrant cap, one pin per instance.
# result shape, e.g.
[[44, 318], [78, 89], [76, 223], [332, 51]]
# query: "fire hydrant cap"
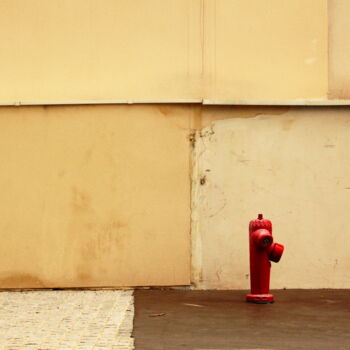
[[276, 252], [259, 223], [262, 238]]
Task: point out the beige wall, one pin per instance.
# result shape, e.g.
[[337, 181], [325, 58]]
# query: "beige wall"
[[63, 51], [94, 196], [339, 49], [100, 195], [266, 50], [75, 51], [292, 165]]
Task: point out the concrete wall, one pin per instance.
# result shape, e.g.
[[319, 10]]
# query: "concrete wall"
[[292, 165]]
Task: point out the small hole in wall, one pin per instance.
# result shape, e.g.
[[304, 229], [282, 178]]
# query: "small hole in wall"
[[203, 180]]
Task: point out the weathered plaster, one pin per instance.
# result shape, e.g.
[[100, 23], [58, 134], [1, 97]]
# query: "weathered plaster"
[[291, 167]]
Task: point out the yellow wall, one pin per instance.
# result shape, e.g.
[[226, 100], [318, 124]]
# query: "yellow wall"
[[266, 50], [64, 51], [339, 49], [292, 165], [94, 196], [76, 50], [100, 195]]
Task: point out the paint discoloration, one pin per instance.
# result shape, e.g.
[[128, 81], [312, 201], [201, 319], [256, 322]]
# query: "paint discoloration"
[[105, 237], [203, 116], [210, 114], [104, 240], [287, 124], [165, 110], [61, 173], [81, 201], [82, 275], [192, 138], [21, 280], [88, 155]]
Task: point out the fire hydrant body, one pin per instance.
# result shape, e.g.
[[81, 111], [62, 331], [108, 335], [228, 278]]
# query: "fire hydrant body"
[[262, 251]]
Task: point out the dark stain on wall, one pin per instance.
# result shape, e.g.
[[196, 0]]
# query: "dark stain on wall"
[[20, 280]]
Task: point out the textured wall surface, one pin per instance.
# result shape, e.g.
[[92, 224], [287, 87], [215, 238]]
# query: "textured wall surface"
[[94, 196], [293, 167]]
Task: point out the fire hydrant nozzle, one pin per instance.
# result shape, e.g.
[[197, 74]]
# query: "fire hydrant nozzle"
[[262, 251]]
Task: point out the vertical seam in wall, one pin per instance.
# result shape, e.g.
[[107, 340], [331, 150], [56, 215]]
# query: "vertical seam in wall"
[[202, 24], [215, 53], [188, 39], [209, 48], [196, 244], [191, 158], [328, 50]]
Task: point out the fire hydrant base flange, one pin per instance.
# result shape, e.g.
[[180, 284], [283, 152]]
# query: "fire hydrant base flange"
[[260, 298]]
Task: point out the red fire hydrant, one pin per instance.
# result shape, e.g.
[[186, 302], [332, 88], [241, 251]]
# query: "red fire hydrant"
[[262, 250]]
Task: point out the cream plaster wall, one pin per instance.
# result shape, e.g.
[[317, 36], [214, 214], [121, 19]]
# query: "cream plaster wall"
[[293, 167], [94, 196]]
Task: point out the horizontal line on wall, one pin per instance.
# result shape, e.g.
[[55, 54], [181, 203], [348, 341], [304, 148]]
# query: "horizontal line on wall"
[[97, 102], [299, 102], [279, 102]]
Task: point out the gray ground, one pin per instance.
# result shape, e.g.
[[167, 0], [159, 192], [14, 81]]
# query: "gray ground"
[[222, 320]]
